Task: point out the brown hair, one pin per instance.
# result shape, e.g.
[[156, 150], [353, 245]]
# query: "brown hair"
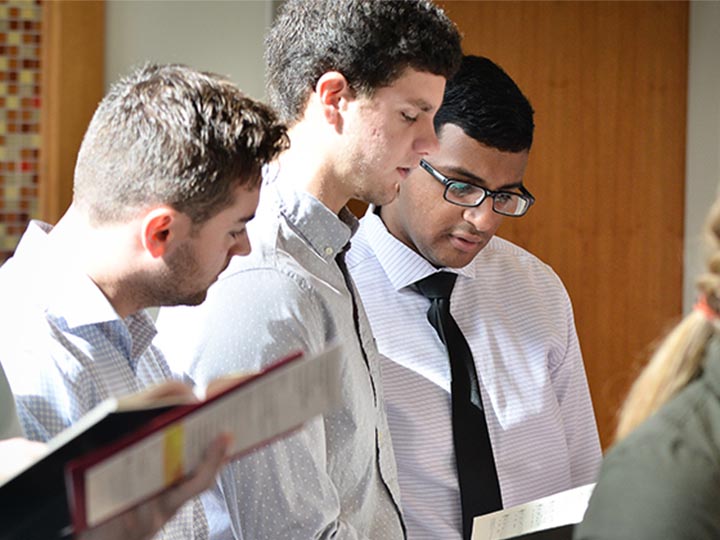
[[167, 134]]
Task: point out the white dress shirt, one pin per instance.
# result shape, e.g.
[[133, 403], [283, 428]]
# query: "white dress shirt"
[[335, 478], [518, 321]]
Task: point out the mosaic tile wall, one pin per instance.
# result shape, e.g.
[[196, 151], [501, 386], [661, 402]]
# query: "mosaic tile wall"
[[20, 26]]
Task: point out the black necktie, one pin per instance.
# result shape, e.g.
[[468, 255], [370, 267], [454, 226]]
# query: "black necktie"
[[477, 475]]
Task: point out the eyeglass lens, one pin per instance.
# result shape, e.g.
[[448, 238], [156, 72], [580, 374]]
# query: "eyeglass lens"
[[469, 195]]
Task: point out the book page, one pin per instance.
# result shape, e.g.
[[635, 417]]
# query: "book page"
[[263, 409], [564, 508], [163, 394]]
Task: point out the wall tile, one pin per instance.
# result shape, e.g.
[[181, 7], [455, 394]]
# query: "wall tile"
[[20, 85]]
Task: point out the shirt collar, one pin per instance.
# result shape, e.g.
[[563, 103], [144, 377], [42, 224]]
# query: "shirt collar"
[[62, 287], [402, 265], [327, 233], [142, 330]]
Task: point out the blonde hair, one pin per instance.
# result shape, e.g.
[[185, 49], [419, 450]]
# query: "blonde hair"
[[678, 359]]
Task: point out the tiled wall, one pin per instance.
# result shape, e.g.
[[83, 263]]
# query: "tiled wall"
[[20, 46]]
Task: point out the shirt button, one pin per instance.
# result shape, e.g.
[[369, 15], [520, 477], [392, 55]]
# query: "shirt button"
[[329, 251]]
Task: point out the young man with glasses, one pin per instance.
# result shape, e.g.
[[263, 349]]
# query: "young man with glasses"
[[512, 350]]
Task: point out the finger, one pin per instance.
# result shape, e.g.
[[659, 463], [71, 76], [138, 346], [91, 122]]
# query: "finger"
[[170, 388], [202, 478], [143, 521]]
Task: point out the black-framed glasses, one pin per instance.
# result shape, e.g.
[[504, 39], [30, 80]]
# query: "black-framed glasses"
[[507, 203]]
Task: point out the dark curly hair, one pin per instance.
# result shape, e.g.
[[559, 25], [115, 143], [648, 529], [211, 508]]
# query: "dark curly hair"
[[488, 106], [167, 134], [370, 42]]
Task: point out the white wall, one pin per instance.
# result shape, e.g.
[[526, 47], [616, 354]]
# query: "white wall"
[[221, 36], [703, 135]]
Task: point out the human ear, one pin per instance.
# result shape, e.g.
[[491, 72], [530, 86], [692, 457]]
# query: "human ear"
[[333, 91], [159, 230]]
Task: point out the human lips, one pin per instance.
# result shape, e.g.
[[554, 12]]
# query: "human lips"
[[404, 172], [467, 242], [227, 263]]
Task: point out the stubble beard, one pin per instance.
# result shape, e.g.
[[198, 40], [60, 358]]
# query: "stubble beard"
[[176, 285]]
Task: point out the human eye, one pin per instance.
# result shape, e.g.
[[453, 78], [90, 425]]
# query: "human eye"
[[238, 234], [409, 117], [505, 200], [462, 190]]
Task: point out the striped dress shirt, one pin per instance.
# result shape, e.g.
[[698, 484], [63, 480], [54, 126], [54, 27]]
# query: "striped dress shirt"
[[517, 318]]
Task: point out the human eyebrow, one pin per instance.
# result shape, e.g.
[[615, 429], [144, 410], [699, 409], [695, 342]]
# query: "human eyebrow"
[[421, 104], [245, 219], [471, 178]]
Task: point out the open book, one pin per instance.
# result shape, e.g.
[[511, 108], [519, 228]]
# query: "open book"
[[551, 517], [126, 450]]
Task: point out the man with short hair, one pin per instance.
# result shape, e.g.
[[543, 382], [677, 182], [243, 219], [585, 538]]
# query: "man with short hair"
[[358, 82], [512, 311], [166, 180]]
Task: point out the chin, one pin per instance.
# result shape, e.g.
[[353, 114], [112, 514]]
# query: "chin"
[[439, 260], [385, 198], [195, 300]]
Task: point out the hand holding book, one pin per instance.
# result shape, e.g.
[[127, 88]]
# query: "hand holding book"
[[141, 448], [144, 520], [254, 408]]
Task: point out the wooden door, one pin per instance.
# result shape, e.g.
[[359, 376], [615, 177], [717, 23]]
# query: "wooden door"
[[73, 79], [608, 82]]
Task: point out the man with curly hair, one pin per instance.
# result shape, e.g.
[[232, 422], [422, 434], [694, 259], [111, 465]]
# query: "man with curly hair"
[[358, 83]]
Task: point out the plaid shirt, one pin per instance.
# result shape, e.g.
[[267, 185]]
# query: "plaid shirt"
[[65, 350]]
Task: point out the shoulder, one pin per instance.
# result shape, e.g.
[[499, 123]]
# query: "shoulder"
[[505, 261], [662, 481], [507, 253], [254, 314], [275, 274], [52, 380]]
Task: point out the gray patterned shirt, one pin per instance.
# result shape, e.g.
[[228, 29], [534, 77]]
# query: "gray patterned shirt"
[[336, 477]]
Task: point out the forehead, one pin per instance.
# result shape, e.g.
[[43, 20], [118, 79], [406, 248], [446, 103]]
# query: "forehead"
[[464, 158], [243, 206], [421, 89], [245, 199]]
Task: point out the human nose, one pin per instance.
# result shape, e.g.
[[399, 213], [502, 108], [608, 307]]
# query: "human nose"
[[481, 216], [427, 141], [241, 247]]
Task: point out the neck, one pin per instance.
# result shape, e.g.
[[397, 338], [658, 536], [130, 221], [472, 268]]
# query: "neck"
[[103, 253], [310, 159]]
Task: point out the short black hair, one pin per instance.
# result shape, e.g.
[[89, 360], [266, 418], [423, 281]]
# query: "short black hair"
[[371, 42], [488, 106]]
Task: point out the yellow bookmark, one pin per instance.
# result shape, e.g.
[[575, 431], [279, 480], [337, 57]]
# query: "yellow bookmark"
[[174, 465]]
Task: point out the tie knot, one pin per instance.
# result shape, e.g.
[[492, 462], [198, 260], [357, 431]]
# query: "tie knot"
[[438, 285]]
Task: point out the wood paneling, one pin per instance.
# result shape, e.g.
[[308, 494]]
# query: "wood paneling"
[[72, 86], [608, 82]]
